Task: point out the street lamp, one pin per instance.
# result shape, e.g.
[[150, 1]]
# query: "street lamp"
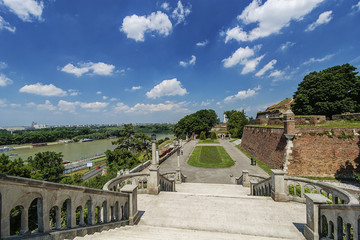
[[153, 137]]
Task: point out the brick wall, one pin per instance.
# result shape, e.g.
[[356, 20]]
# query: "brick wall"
[[266, 144], [314, 152]]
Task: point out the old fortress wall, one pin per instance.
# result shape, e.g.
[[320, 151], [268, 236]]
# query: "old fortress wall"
[[315, 151]]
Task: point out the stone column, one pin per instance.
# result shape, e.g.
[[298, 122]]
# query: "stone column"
[[289, 133], [289, 122], [278, 192], [245, 178], [153, 180], [312, 227], [178, 171], [24, 221], [133, 211]]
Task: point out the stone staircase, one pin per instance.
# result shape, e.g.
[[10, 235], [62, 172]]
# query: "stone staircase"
[[211, 211]]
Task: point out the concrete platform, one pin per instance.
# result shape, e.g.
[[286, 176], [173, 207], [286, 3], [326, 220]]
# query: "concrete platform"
[[212, 211]]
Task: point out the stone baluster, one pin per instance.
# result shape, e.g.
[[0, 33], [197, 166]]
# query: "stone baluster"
[[133, 211], [245, 178], [278, 192]]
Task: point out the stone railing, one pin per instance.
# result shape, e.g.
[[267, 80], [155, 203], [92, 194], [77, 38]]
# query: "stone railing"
[[138, 179], [331, 213], [166, 184], [246, 178], [63, 211], [177, 175]]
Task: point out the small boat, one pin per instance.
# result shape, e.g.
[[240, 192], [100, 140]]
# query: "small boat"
[[6, 149], [86, 140]]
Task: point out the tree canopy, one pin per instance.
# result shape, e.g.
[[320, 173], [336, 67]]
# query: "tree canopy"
[[201, 121], [236, 122], [16, 167], [331, 91], [47, 166]]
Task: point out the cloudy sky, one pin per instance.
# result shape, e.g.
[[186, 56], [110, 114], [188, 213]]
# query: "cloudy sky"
[[87, 61]]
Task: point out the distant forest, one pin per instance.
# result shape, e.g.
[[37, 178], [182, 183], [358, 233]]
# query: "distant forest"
[[75, 133]]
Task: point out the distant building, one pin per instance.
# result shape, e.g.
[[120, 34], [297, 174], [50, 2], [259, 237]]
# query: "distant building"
[[276, 110]]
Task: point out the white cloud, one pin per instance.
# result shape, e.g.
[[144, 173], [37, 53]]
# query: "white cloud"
[[26, 10], [3, 103], [94, 106], [242, 57], [67, 106], [99, 68], [270, 17], [180, 12], [202, 44], [43, 90], [14, 105], [148, 108], [266, 68], [98, 92], [3, 65], [356, 6], [312, 60], [243, 94], [136, 26], [73, 92], [4, 81], [7, 26], [276, 74], [191, 62], [134, 88], [104, 97], [207, 102], [170, 87], [165, 6], [324, 18], [114, 99], [286, 45], [45, 106]]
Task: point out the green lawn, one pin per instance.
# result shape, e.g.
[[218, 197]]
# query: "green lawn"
[[210, 157], [209, 141], [265, 167]]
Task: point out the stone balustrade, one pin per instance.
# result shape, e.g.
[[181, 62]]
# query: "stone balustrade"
[[139, 179], [166, 184], [262, 188], [61, 209]]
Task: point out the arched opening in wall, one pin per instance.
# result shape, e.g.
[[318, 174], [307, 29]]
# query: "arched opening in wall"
[[79, 216], [349, 231], [298, 190], [314, 190], [331, 234], [126, 211], [340, 228], [35, 216], [116, 209], [122, 212], [112, 214], [322, 192], [358, 227], [54, 218], [87, 213], [66, 214], [330, 196], [291, 190], [98, 215], [336, 200], [324, 226], [0, 212], [306, 189], [104, 213], [16, 215]]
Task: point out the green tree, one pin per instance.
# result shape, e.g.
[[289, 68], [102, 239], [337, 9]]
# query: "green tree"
[[237, 121], [201, 121], [120, 158], [331, 91], [16, 167], [202, 136], [47, 166], [213, 135]]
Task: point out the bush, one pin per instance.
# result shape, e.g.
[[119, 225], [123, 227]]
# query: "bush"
[[202, 136], [213, 135]]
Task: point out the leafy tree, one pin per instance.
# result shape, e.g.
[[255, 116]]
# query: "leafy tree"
[[120, 158], [201, 121], [236, 123], [202, 136], [213, 135], [14, 168], [47, 166], [331, 91]]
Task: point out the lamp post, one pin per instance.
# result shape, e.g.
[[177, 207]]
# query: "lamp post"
[[153, 148]]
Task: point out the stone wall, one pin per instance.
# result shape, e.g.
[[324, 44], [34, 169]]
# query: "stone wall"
[[351, 116], [266, 144], [315, 152]]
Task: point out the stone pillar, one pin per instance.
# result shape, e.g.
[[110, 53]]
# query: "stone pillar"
[[312, 227], [288, 151], [133, 211], [153, 180], [289, 122], [24, 221], [245, 178], [278, 192], [178, 171]]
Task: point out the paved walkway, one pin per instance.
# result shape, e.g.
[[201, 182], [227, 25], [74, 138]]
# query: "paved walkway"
[[211, 175]]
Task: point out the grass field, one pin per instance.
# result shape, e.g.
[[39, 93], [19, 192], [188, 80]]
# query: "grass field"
[[210, 157], [265, 167], [209, 141]]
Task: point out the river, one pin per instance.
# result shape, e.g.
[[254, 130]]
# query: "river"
[[76, 151]]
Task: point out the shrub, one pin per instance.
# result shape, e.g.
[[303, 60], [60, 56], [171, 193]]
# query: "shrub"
[[202, 136], [213, 135]]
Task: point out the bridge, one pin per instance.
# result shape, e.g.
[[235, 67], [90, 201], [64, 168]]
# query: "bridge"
[[176, 201]]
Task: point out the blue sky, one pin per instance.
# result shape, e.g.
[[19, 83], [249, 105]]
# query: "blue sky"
[[87, 61]]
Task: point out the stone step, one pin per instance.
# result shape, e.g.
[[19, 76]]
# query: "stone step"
[[160, 233]]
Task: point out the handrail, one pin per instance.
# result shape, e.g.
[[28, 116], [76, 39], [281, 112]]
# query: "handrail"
[[116, 183]]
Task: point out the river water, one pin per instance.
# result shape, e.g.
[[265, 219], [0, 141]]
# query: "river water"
[[76, 151]]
